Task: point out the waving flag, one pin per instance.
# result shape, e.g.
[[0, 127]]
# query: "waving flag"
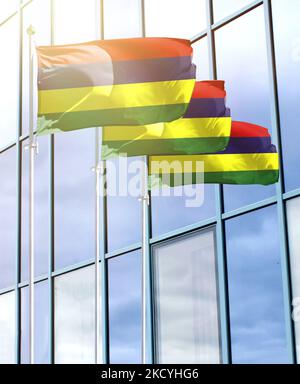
[[250, 158], [114, 82], [204, 128]]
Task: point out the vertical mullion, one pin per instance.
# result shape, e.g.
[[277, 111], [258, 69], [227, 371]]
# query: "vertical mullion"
[[148, 267], [102, 220], [19, 196], [51, 220], [281, 208], [220, 230]]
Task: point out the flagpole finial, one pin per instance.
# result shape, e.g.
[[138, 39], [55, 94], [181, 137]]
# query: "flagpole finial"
[[30, 30]]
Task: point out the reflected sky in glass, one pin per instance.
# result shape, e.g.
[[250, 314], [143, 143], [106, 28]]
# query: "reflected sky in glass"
[[224, 8], [125, 308], [124, 216], [41, 206], [175, 18], [74, 197], [186, 304], [77, 25], [293, 214], [9, 80], [122, 19], [7, 7], [255, 289], [7, 328], [41, 342], [74, 332], [8, 217], [242, 62], [287, 44]]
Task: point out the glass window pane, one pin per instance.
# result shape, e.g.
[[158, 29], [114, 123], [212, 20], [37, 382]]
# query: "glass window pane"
[[9, 80], [81, 16], [245, 69], [255, 289], [125, 308], [124, 219], [8, 217], [186, 300], [175, 18], [224, 8], [37, 14], [201, 59], [115, 14], [75, 317], [293, 213], [287, 42], [7, 8], [172, 211], [41, 208], [7, 328], [74, 197], [41, 334]]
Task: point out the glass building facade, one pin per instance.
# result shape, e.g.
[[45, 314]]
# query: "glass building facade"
[[224, 277]]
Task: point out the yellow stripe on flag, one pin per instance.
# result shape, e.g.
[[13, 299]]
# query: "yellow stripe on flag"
[[115, 96], [215, 163], [178, 129]]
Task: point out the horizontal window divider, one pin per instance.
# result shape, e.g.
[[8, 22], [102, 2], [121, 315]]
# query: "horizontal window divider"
[[72, 267], [184, 230], [250, 208], [241, 12], [37, 280], [122, 251], [7, 290], [292, 194], [199, 36]]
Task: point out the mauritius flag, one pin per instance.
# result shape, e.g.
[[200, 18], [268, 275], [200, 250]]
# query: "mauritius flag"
[[204, 128], [114, 82], [250, 158]]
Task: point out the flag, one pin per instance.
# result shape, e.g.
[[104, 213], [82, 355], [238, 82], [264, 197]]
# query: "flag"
[[250, 158], [114, 82], [204, 128]]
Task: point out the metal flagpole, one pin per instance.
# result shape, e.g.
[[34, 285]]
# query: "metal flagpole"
[[145, 203], [32, 151]]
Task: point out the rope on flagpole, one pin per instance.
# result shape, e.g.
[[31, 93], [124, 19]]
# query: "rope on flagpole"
[[32, 146]]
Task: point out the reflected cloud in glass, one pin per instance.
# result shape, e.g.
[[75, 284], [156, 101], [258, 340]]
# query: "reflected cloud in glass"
[[255, 289], [186, 300], [125, 308], [75, 317]]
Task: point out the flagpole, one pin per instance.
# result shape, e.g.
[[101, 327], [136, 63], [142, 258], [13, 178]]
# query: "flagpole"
[[145, 204], [32, 151]]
